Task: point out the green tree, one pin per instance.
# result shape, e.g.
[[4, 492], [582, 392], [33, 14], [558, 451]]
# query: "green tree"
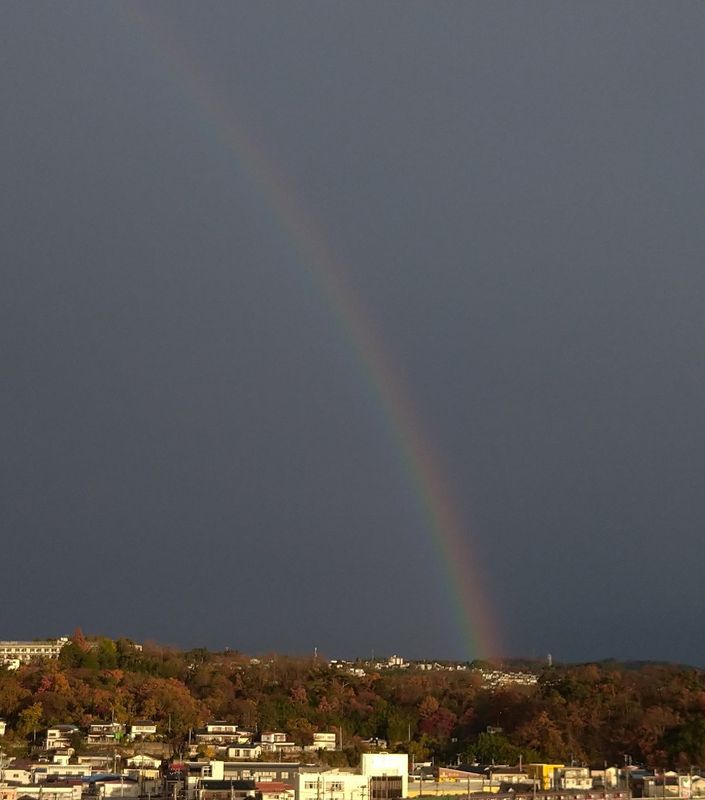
[[30, 719], [494, 748], [106, 654]]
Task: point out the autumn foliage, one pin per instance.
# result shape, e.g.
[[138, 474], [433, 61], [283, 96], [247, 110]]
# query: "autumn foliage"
[[589, 713]]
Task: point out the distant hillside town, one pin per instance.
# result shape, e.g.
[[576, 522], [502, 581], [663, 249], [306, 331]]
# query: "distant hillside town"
[[14, 653]]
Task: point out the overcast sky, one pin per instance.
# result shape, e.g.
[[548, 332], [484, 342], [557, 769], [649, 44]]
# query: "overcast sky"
[[192, 453]]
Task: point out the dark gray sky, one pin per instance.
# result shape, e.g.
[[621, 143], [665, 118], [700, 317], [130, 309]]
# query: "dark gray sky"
[[190, 452]]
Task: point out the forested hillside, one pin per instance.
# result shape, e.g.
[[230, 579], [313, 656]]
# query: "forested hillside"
[[589, 713]]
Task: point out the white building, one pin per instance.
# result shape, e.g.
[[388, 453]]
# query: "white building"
[[324, 741], [3, 726], [142, 761], [117, 787], [58, 770], [104, 732], [573, 778], [59, 736], [25, 652], [220, 726], [388, 774], [274, 741], [142, 728], [382, 776], [332, 784], [38, 791], [222, 733], [19, 772], [246, 751]]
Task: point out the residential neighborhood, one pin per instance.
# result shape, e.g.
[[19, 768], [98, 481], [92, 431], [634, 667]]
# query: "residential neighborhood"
[[94, 718]]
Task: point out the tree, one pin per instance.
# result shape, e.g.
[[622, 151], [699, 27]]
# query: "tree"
[[106, 654], [30, 719], [686, 744], [494, 748]]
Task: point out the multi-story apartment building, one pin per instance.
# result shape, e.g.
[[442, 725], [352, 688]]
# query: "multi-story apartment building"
[[29, 651]]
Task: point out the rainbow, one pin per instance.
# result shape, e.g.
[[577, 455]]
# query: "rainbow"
[[472, 612]]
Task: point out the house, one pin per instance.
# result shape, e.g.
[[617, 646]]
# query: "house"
[[142, 728], [59, 736], [97, 763], [18, 771], [186, 777], [3, 726], [251, 751], [276, 741], [60, 772], [221, 733], [104, 733], [544, 774], [141, 761], [273, 790], [225, 790], [608, 778], [220, 726], [115, 786], [324, 741], [573, 778]]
